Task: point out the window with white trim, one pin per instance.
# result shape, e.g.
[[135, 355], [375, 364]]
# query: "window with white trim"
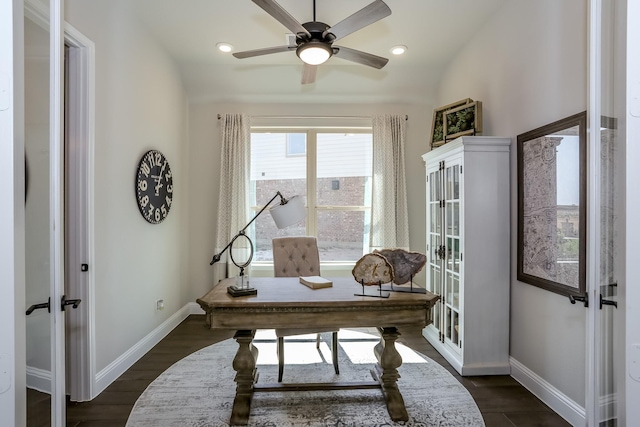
[[333, 175]]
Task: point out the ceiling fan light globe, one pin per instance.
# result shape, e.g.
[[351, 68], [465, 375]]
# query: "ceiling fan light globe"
[[314, 53]]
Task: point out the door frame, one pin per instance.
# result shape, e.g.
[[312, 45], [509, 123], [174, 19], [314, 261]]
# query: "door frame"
[[594, 334], [79, 144], [627, 109], [79, 240], [56, 210]]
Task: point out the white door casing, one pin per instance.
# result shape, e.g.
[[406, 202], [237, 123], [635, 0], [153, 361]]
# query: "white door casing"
[[12, 280]]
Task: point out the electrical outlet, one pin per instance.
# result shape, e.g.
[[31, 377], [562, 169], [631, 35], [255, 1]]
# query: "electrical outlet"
[[159, 304]]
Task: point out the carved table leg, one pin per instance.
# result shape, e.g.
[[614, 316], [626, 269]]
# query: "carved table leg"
[[244, 364], [387, 373]]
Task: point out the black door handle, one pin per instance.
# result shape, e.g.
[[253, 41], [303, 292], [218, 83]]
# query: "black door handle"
[[46, 305], [607, 302], [584, 299], [72, 302]]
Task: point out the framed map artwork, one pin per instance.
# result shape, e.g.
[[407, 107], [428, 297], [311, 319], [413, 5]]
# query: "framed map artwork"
[[552, 206]]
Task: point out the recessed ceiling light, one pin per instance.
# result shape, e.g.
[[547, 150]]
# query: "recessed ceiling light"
[[398, 50], [224, 47]]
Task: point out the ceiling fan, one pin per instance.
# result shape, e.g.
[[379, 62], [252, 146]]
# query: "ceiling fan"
[[314, 40]]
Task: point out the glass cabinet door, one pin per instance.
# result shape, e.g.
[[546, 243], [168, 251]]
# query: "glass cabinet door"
[[434, 241], [451, 295]]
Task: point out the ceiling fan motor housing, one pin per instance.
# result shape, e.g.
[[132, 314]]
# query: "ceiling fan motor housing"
[[316, 29]]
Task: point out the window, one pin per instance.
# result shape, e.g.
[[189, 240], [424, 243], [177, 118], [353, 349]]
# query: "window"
[[332, 173]]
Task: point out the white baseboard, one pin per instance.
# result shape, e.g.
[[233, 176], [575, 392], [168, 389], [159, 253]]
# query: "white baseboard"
[[39, 379], [551, 396], [194, 308], [116, 368]]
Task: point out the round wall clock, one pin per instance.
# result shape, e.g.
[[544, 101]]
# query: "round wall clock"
[[154, 186]]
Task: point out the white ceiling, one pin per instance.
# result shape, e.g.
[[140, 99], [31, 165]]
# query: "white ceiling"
[[433, 30]]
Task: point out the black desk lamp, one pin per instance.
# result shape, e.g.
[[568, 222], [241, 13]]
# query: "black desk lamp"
[[284, 214]]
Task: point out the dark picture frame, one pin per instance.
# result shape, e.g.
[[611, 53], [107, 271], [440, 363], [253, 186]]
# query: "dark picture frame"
[[437, 125], [463, 120], [552, 211]]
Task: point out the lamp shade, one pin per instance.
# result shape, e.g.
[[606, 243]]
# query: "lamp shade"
[[288, 214]]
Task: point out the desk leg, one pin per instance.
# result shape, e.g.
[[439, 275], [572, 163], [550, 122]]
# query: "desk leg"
[[387, 373], [246, 375]]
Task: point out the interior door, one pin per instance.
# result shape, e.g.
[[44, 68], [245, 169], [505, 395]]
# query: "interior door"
[[44, 239]]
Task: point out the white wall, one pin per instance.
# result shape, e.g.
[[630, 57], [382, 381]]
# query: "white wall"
[[529, 67], [204, 165], [140, 105]]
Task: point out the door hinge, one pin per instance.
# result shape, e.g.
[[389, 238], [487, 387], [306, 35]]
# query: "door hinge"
[[460, 169]]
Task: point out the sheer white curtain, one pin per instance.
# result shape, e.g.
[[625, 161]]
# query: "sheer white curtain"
[[389, 218], [233, 200]]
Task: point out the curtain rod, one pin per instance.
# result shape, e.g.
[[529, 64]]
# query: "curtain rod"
[[406, 117]]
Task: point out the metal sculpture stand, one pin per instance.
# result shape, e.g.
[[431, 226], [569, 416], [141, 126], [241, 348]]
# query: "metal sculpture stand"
[[381, 293], [411, 289]]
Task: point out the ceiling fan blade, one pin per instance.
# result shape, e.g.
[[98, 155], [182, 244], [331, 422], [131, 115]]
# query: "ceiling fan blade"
[[365, 16], [360, 57], [308, 73], [265, 51], [282, 16]]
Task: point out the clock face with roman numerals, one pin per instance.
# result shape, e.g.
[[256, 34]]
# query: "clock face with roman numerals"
[[154, 186]]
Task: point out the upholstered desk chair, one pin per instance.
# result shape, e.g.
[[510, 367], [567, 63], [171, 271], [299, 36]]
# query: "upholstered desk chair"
[[293, 257]]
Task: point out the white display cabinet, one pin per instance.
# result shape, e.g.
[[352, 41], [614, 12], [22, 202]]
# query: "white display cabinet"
[[468, 252]]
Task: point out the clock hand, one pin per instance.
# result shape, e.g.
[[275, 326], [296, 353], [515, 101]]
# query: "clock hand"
[[158, 185], [158, 179]]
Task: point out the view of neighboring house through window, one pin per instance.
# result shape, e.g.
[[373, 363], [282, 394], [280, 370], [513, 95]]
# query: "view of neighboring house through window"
[[332, 172]]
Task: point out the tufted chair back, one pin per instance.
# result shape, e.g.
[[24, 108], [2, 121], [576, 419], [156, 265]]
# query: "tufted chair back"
[[295, 256], [292, 257]]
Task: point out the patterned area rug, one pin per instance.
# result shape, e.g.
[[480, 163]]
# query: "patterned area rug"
[[199, 389]]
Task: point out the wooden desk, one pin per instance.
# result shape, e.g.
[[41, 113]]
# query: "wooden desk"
[[283, 302]]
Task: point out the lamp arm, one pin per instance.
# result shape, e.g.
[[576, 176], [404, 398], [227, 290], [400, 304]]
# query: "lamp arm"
[[283, 201], [218, 256]]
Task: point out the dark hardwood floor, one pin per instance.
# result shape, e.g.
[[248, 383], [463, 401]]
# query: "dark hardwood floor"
[[503, 402]]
